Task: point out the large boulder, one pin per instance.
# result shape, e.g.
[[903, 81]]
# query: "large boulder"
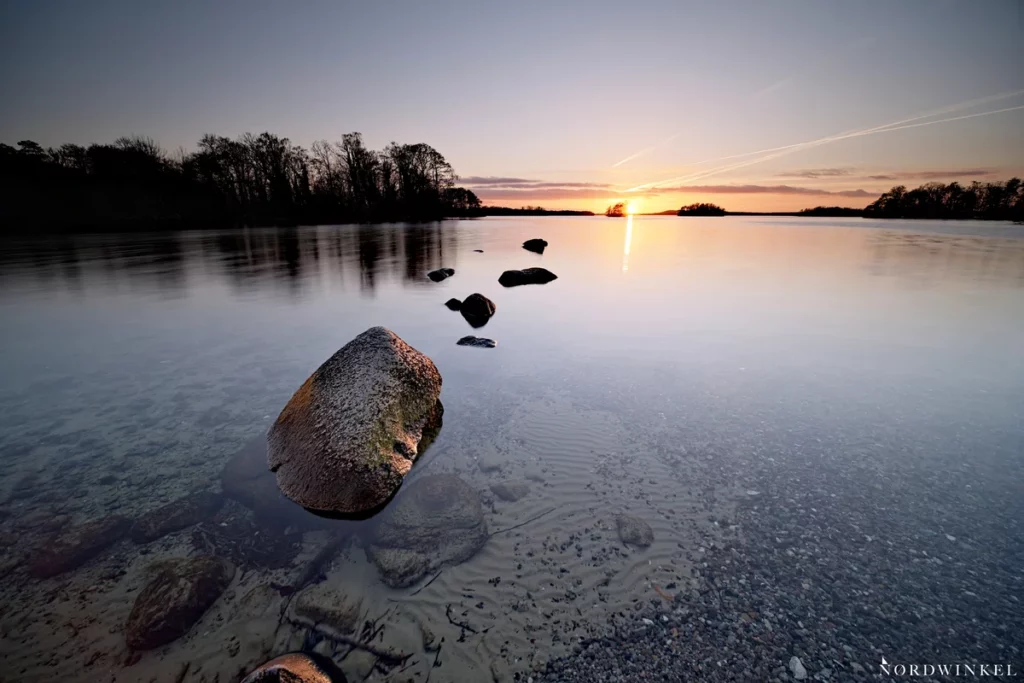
[[174, 599], [179, 514], [477, 309], [437, 521], [349, 435], [76, 545], [535, 245], [526, 276], [440, 274]]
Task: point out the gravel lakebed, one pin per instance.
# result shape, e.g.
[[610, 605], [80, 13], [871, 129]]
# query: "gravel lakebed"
[[840, 555]]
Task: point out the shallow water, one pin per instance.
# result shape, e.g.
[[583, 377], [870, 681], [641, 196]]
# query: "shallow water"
[[675, 371]]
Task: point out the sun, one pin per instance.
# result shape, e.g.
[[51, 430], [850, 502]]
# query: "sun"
[[632, 206]]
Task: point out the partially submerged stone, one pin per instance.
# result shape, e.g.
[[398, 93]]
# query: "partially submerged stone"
[[453, 304], [634, 531], [440, 274], [438, 520], [176, 515], [477, 309], [175, 598], [526, 276], [535, 245], [349, 435], [76, 545], [479, 342], [510, 491]]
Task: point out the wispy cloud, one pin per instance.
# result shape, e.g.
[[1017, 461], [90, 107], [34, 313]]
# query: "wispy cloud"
[[816, 173], [530, 194], [934, 175], [767, 189], [523, 183]]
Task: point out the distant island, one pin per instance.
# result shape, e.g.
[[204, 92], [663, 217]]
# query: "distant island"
[[617, 210], [530, 211], [253, 180], [701, 210]]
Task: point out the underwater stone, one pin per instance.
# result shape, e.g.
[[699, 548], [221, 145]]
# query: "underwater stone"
[[174, 599], [438, 520], [176, 515], [634, 531], [75, 546]]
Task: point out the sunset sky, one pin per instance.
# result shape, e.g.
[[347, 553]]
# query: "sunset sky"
[[561, 104]]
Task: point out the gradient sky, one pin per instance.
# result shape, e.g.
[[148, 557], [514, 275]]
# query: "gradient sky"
[[535, 102]]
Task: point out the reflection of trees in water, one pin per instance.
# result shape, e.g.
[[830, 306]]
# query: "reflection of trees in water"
[[929, 258], [286, 259]]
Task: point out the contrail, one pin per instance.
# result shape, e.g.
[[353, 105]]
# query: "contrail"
[[789, 149], [934, 112], [645, 150]]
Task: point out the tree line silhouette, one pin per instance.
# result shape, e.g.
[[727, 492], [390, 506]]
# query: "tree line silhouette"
[[701, 209], [253, 180], [1000, 201]]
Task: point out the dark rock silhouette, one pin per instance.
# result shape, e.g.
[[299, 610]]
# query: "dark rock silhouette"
[[536, 245], [440, 274], [75, 546], [438, 520], [351, 432], [174, 599], [479, 342], [453, 304], [479, 251], [477, 309], [526, 276], [176, 515]]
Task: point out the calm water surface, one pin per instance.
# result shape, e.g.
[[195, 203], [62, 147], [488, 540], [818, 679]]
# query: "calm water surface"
[[688, 372]]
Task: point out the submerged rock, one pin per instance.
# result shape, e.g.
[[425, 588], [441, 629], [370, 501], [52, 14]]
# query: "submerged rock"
[[247, 479], [479, 342], [634, 531], [73, 547], [477, 309], [440, 274], [323, 606], [438, 520], [511, 491], [535, 245], [176, 515], [350, 434], [526, 276], [453, 304], [297, 667], [174, 599]]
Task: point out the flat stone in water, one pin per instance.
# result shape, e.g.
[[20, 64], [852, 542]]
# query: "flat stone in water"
[[535, 245], [478, 342], [440, 274], [634, 531], [323, 606], [511, 491], [438, 520], [526, 276]]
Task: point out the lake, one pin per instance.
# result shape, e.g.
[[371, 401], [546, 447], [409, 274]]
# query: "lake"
[[820, 420]]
